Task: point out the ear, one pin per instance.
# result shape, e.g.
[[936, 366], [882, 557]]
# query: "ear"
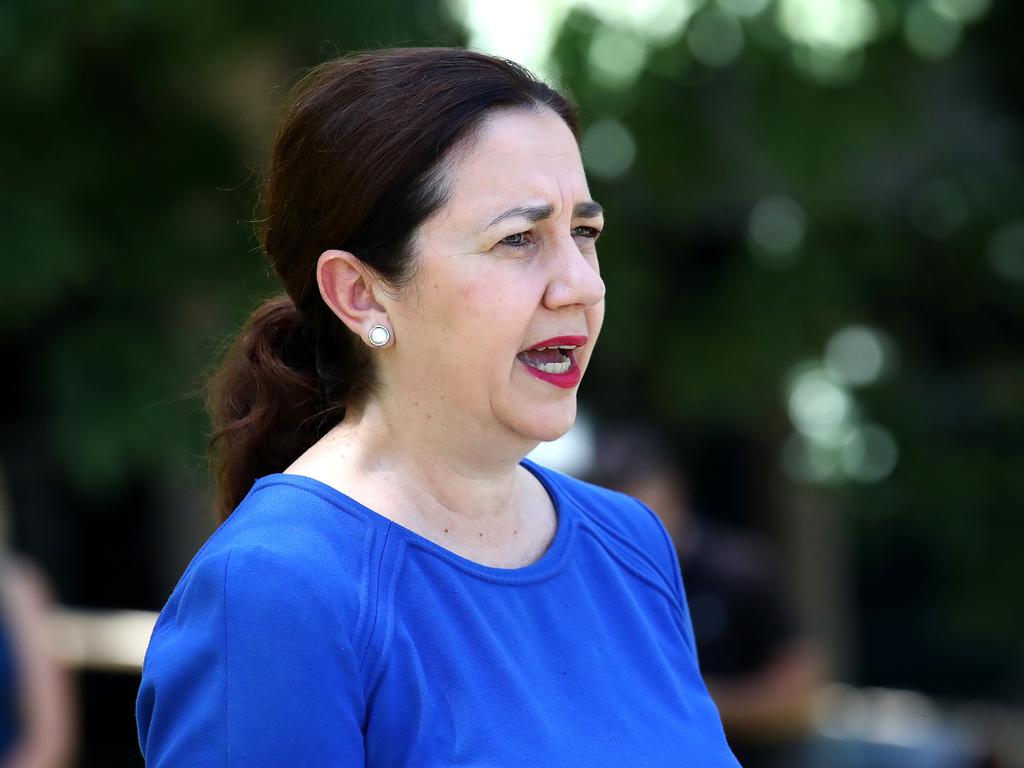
[[350, 289]]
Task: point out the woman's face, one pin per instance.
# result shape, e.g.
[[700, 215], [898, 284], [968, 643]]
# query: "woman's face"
[[508, 265]]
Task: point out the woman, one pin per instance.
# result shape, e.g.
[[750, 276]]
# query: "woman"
[[396, 586]]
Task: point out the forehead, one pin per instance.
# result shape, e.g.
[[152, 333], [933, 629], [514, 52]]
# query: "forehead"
[[518, 157]]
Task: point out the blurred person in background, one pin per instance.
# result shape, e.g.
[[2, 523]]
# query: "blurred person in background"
[[759, 667], [393, 583], [37, 721]]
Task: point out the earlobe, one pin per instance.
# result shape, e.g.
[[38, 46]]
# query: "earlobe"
[[347, 287]]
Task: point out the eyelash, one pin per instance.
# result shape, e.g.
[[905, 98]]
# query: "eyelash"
[[590, 232]]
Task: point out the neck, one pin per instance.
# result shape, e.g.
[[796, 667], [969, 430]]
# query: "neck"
[[472, 498], [435, 475]]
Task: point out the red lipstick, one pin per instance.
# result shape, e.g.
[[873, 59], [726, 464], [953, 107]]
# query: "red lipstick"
[[560, 341], [565, 380]]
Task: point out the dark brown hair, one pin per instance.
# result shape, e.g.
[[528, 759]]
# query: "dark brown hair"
[[358, 164]]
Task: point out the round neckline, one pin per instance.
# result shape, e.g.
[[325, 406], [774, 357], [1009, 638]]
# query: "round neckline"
[[551, 559]]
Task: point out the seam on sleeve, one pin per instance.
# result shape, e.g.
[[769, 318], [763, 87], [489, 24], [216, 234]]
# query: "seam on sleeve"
[[671, 558], [642, 553], [638, 550], [677, 580], [376, 597], [227, 561]]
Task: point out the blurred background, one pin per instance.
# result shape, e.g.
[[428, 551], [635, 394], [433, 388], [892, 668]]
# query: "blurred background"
[[815, 260]]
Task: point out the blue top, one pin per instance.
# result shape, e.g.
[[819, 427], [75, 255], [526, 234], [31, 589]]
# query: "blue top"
[[311, 631]]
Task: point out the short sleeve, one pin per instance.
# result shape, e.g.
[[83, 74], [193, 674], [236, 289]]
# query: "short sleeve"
[[251, 664]]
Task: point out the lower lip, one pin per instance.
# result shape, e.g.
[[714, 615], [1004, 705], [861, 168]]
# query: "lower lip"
[[566, 380]]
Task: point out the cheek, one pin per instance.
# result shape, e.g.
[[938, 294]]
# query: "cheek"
[[474, 324], [476, 299], [453, 306], [498, 301], [478, 303]]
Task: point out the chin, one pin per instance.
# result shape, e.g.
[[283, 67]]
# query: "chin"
[[548, 424], [536, 418], [550, 435]]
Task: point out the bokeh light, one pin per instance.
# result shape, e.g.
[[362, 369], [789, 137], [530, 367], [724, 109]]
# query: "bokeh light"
[[963, 10], [746, 8], [715, 38], [656, 20], [616, 57], [775, 230], [930, 33], [523, 31], [858, 355], [837, 24], [608, 148], [869, 454], [818, 406], [831, 442]]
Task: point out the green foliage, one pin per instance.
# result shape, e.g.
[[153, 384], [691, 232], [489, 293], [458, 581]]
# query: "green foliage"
[[903, 174], [131, 150]]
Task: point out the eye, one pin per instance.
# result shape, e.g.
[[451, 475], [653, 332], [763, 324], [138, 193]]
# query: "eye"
[[592, 232], [518, 240]]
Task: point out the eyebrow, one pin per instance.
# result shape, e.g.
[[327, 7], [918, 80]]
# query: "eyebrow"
[[534, 213]]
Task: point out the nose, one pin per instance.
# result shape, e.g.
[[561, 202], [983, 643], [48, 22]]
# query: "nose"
[[576, 279]]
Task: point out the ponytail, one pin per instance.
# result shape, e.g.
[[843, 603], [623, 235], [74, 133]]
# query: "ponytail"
[[267, 402]]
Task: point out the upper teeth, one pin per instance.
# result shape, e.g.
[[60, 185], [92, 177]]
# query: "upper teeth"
[[561, 367]]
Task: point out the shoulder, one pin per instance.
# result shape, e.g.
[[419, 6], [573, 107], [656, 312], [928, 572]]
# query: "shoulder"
[[619, 520], [290, 547], [620, 514], [269, 620], [631, 533]]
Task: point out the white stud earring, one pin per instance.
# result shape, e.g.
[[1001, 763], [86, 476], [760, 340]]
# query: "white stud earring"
[[379, 335]]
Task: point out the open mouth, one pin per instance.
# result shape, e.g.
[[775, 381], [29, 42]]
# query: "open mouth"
[[556, 359]]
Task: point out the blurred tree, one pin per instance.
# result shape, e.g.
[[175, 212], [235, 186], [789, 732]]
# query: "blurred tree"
[[771, 186], [128, 252]]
